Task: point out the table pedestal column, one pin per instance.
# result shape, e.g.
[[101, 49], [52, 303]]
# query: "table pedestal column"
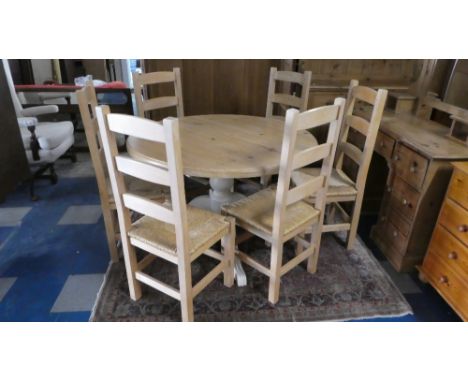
[[221, 193]]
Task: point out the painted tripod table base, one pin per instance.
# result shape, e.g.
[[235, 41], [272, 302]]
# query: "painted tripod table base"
[[222, 193]]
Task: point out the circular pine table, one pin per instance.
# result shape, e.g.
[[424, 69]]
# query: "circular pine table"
[[223, 147]]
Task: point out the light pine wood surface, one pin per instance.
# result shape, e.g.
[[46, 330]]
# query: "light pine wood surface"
[[280, 215], [171, 230], [224, 146]]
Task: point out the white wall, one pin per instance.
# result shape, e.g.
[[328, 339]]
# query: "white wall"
[[42, 71]]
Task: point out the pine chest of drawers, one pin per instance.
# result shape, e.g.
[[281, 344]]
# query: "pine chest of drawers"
[[418, 154], [445, 266]]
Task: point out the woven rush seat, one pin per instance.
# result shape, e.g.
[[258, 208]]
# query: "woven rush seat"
[[204, 226], [257, 211], [338, 185]]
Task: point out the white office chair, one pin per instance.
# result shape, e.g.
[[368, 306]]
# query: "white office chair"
[[44, 142]]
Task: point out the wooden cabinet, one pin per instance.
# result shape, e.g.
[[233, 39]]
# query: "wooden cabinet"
[[418, 154], [446, 263]]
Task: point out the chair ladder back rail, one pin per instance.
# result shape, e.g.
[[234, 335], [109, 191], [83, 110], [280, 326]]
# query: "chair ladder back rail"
[[290, 100], [109, 145], [141, 170], [287, 99], [148, 207], [145, 104], [364, 93], [159, 103], [357, 123], [311, 155], [306, 189], [87, 103], [137, 127], [351, 151], [179, 207], [317, 117]]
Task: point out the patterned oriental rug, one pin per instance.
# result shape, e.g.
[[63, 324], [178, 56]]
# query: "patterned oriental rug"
[[347, 286]]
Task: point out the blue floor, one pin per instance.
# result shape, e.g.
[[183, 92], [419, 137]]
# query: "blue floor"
[[53, 259], [40, 255]]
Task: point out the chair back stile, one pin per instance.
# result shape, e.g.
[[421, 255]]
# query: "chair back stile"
[[87, 102], [145, 104], [300, 103], [292, 160]]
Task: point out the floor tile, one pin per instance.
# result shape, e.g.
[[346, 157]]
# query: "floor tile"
[[403, 281], [12, 216], [82, 168], [79, 293], [85, 214], [5, 284]]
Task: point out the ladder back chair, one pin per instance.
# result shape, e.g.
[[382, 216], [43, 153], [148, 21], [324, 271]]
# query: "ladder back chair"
[[288, 100], [87, 103], [171, 231], [281, 215], [342, 188], [145, 104]]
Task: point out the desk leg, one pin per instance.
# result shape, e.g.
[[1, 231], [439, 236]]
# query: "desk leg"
[[221, 193]]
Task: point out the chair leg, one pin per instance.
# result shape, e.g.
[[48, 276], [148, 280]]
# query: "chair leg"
[[265, 180], [275, 271], [315, 238], [185, 288], [228, 242], [110, 233], [351, 237], [131, 267]]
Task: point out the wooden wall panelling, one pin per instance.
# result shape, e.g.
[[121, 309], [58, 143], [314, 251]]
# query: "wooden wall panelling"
[[218, 86], [13, 163]]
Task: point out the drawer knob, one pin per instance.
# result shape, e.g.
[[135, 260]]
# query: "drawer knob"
[[463, 228], [382, 144], [389, 189], [453, 255], [383, 218], [414, 167], [397, 157], [443, 279], [395, 233]]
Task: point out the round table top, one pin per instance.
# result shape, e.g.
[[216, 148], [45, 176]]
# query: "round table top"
[[224, 146]]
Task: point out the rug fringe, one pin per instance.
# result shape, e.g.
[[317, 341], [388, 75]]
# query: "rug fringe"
[[98, 295]]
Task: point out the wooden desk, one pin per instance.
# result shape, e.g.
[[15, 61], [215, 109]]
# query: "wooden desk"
[[418, 154]]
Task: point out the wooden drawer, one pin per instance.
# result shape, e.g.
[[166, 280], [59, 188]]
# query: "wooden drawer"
[[447, 283], [403, 226], [455, 219], [384, 145], [446, 247], [404, 199], [395, 238], [410, 166], [458, 189]]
